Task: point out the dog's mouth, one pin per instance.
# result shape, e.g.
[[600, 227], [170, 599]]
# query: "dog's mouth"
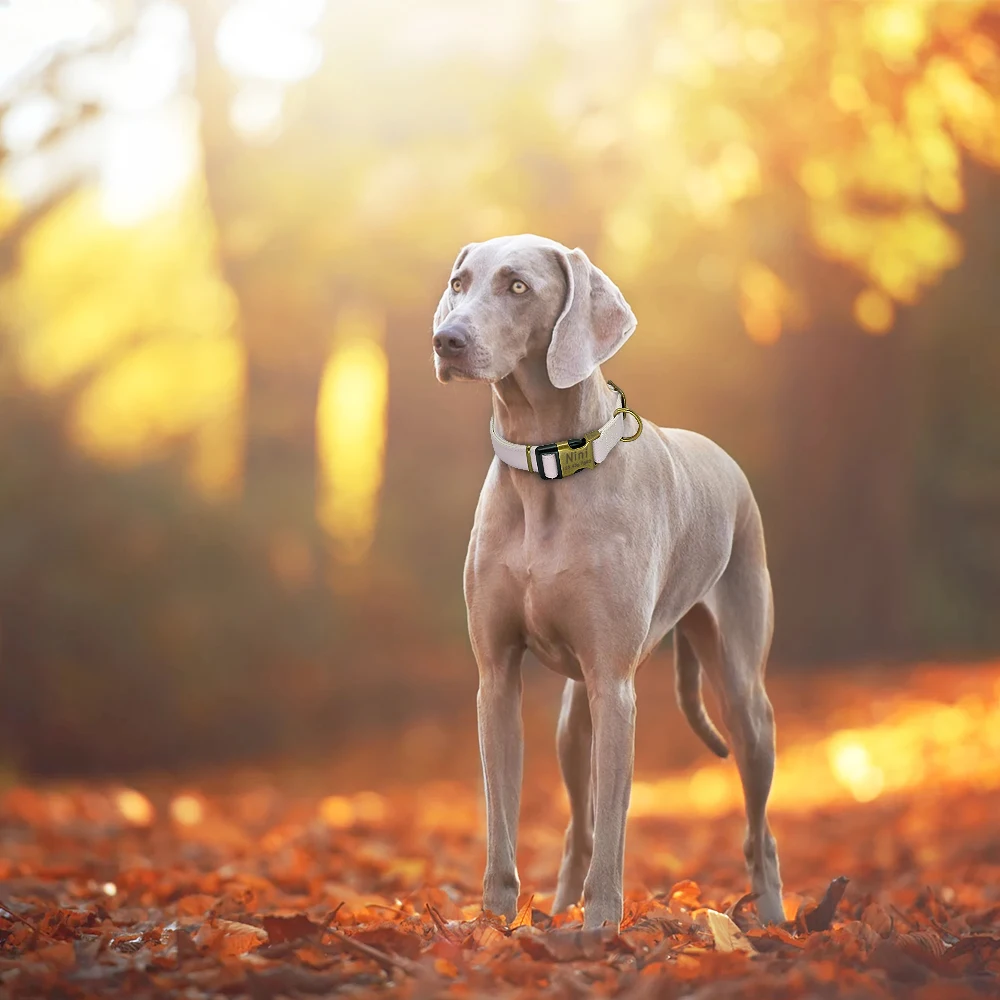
[[448, 370]]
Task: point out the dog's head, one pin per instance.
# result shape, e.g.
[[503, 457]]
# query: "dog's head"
[[518, 297]]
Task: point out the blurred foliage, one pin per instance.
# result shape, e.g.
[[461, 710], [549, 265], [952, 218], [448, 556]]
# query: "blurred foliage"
[[223, 229], [138, 325]]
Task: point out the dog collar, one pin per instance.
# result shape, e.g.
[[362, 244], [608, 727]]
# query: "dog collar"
[[563, 458]]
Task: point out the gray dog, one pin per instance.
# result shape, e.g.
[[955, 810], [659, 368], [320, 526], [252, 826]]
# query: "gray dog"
[[591, 572]]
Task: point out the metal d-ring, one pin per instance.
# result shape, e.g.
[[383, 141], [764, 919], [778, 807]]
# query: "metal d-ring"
[[638, 420]]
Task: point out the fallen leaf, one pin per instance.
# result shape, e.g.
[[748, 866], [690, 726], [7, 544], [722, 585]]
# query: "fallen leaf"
[[686, 894], [820, 918], [739, 914], [927, 942], [876, 917], [725, 933], [899, 965], [297, 927], [566, 945], [523, 918], [230, 937], [391, 940]]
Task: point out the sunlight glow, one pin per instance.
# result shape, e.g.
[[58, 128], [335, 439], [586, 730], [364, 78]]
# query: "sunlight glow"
[[763, 46], [897, 30], [270, 40], [89, 290], [853, 768], [147, 162], [147, 72], [919, 744], [711, 789], [351, 425], [256, 111], [30, 28], [145, 142], [27, 122], [156, 392]]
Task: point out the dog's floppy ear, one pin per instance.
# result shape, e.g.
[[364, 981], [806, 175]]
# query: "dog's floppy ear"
[[444, 306], [595, 321]]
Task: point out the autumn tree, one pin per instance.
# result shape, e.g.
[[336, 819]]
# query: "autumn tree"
[[778, 188]]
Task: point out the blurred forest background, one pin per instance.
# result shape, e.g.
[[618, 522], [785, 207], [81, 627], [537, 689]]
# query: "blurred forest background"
[[234, 502]]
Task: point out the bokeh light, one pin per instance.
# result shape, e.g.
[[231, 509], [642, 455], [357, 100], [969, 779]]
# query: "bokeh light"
[[134, 807]]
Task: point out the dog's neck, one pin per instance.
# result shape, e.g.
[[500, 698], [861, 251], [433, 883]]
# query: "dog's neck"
[[528, 409]]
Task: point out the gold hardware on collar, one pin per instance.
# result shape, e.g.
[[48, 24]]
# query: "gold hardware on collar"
[[620, 393], [571, 455], [577, 454], [624, 408], [638, 420]]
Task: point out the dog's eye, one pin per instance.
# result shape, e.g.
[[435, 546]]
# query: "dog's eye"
[[456, 284], [519, 287]]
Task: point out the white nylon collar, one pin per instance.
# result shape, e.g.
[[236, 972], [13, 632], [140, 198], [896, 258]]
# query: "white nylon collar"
[[563, 458]]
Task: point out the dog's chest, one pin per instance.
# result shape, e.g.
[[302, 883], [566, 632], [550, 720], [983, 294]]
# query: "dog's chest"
[[539, 562], [550, 595]]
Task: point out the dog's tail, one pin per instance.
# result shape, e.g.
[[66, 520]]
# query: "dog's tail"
[[687, 674]]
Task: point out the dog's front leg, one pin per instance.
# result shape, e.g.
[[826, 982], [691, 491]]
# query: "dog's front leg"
[[501, 746], [612, 707]]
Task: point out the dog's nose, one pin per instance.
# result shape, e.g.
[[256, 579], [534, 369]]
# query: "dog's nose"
[[450, 341]]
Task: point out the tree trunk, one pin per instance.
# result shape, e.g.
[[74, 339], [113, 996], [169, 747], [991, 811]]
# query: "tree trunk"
[[279, 472], [282, 325], [842, 518]]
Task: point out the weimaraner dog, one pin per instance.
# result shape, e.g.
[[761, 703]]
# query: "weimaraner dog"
[[590, 572]]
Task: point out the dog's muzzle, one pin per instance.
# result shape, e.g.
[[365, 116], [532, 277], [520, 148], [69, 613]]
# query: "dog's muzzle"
[[451, 341]]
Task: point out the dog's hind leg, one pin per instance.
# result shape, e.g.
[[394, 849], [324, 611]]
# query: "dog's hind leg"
[[612, 707], [574, 739], [731, 632]]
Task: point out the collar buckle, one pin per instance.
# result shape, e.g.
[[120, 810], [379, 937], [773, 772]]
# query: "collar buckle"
[[572, 456]]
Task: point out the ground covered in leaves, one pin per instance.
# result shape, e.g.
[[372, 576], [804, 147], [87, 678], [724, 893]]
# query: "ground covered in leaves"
[[263, 887]]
